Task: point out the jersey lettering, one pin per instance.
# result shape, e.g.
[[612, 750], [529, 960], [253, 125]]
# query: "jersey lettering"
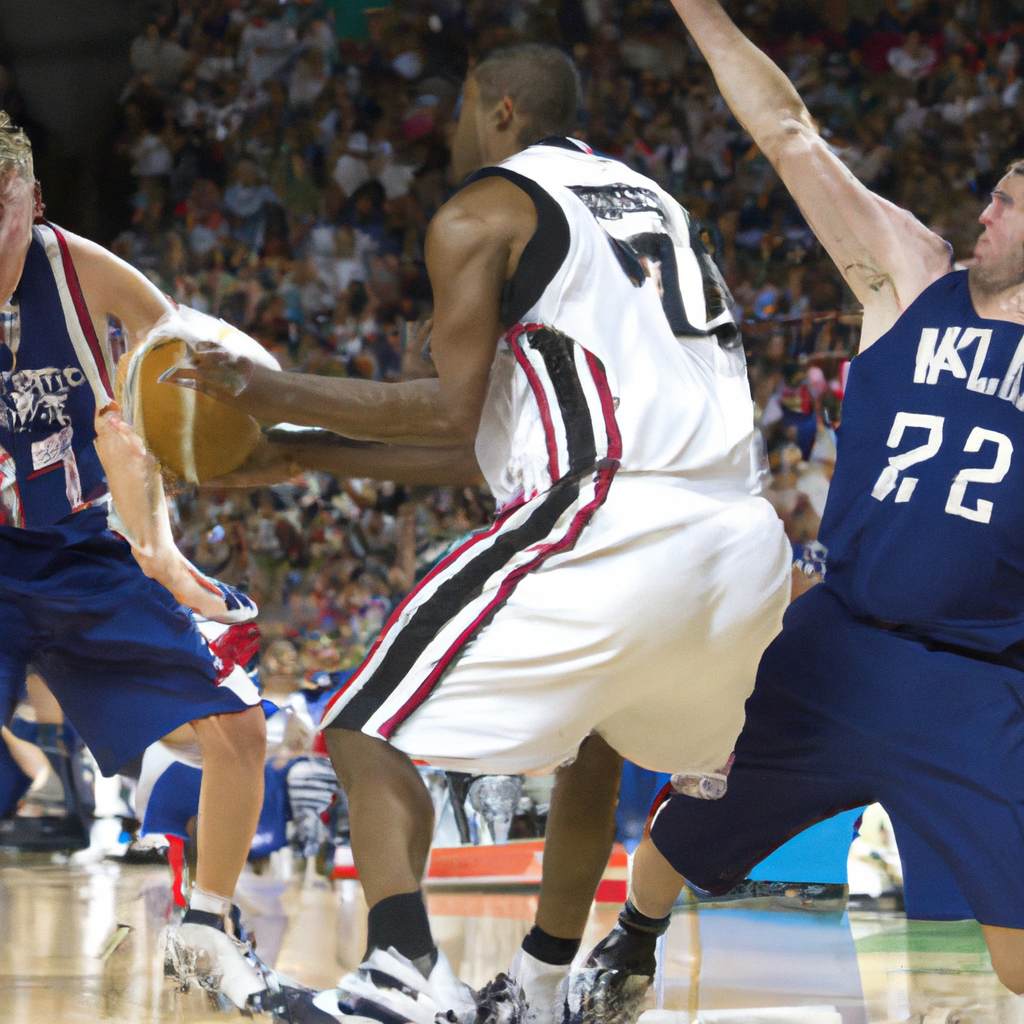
[[935, 357]]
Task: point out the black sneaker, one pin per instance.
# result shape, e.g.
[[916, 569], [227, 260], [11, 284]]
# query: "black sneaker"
[[612, 984]]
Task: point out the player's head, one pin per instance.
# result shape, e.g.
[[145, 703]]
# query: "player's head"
[[19, 204], [511, 100], [998, 262]]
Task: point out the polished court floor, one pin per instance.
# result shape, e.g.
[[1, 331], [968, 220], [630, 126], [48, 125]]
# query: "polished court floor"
[[79, 942]]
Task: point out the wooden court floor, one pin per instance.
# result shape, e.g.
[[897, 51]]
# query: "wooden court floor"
[[79, 942]]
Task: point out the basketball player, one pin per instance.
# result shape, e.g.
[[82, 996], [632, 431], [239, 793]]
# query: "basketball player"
[[899, 678], [618, 604], [121, 655]]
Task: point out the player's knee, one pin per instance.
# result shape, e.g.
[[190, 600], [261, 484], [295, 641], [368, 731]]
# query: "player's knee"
[[360, 760], [240, 736]]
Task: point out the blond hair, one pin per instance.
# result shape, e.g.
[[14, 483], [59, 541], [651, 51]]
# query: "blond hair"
[[15, 148]]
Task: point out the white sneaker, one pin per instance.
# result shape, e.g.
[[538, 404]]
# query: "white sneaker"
[[200, 950], [392, 982], [543, 986]]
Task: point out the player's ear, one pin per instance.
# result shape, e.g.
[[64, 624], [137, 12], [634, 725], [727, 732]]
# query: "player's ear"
[[504, 113], [38, 206]]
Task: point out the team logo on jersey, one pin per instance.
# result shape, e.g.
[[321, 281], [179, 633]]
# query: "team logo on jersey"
[[36, 399]]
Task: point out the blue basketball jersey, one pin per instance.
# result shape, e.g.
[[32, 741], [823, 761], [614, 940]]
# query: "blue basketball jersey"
[[924, 523], [53, 371]]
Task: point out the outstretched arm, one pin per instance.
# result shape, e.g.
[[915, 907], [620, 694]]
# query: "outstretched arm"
[[886, 255], [473, 246], [282, 454]]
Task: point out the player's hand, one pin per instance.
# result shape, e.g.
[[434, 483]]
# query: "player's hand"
[[271, 462], [209, 367]]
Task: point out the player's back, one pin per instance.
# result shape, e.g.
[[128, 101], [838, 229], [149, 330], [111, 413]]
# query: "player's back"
[[621, 282], [923, 524]]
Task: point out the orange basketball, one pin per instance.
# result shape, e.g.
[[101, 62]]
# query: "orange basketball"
[[195, 437]]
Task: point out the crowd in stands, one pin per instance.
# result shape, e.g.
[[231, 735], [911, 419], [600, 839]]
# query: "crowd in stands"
[[288, 156]]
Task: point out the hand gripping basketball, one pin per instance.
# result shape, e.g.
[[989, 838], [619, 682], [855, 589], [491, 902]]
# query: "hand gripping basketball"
[[209, 367], [195, 436]]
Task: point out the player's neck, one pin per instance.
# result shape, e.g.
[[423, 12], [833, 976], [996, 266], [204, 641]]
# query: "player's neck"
[[992, 302]]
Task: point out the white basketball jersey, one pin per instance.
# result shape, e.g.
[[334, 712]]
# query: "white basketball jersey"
[[637, 364]]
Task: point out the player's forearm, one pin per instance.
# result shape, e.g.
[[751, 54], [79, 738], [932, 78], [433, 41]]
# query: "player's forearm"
[[284, 453], [416, 413], [756, 90], [140, 515]]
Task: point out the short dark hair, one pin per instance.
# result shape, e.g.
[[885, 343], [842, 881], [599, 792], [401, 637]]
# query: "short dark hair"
[[541, 80]]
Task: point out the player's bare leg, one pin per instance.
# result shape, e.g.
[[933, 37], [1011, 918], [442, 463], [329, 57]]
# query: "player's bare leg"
[[654, 885], [390, 811], [1006, 947], [392, 823], [231, 795], [578, 840], [613, 982], [209, 946], [579, 837]]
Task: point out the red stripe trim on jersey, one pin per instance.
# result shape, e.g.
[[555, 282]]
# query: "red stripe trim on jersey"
[[396, 614], [607, 405], [84, 320], [538, 393], [47, 469], [580, 520]]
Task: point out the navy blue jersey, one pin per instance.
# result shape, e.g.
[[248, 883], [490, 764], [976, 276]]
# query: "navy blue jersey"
[[52, 373], [924, 523]]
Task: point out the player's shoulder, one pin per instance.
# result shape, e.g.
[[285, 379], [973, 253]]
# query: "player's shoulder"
[[491, 205]]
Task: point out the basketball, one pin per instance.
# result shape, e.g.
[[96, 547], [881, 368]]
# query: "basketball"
[[195, 437]]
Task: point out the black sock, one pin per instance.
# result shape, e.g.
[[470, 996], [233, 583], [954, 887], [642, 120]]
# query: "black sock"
[[550, 949], [401, 921], [632, 918]]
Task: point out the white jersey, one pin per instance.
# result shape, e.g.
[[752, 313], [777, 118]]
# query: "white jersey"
[[630, 580], [629, 291]]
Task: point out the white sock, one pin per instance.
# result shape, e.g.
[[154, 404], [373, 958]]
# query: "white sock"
[[209, 902]]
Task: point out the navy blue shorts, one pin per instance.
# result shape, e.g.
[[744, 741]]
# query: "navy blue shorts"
[[123, 658], [844, 714]]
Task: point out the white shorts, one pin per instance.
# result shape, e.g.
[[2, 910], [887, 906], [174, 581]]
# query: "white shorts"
[[635, 608]]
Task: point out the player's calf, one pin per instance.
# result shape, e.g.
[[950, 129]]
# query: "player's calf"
[[1006, 947]]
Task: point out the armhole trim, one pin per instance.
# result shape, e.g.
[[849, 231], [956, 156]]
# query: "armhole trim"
[[544, 253]]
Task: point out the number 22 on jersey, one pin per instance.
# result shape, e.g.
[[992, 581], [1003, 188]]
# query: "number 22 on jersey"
[[887, 481]]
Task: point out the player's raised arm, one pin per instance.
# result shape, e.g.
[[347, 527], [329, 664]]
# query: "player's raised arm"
[[473, 246], [885, 254]]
